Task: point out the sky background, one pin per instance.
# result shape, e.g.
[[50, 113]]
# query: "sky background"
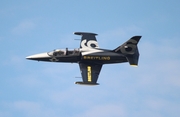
[[42, 89]]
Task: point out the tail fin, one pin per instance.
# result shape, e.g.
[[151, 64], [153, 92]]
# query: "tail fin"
[[130, 50]]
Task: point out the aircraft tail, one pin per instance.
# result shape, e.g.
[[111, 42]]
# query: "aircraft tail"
[[130, 50]]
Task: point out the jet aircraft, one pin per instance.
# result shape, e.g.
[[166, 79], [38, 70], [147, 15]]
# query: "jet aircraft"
[[91, 58]]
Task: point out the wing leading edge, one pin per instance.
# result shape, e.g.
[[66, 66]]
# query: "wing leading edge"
[[90, 73]]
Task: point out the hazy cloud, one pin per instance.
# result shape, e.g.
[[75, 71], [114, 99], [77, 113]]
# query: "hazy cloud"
[[23, 27], [32, 109], [107, 110]]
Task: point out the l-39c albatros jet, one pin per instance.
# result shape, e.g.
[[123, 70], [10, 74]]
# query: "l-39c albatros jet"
[[91, 58]]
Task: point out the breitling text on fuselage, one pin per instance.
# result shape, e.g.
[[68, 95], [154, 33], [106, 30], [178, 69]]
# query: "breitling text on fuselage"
[[96, 57]]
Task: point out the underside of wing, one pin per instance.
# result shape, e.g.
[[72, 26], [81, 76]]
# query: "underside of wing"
[[88, 40], [90, 73]]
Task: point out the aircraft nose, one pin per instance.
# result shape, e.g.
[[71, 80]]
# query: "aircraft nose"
[[38, 56]]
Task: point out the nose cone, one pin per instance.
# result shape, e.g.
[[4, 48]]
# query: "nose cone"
[[39, 57]]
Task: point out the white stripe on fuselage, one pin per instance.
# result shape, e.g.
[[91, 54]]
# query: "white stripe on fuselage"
[[86, 51]]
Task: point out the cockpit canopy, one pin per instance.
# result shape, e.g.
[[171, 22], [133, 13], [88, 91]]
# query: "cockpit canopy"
[[57, 52], [63, 52]]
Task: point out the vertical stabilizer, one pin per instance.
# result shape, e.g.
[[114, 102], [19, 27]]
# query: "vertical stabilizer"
[[130, 50]]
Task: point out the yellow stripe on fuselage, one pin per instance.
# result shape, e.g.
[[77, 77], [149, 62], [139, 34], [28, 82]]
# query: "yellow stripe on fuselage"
[[89, 73]]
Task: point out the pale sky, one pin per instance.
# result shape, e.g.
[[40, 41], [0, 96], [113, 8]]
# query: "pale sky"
[[42, 89]]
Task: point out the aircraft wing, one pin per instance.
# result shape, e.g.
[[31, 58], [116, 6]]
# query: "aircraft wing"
[[88, 40], [90, 73]]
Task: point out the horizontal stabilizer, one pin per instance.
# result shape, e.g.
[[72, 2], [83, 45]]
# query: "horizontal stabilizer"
[[133, 59], [86, 83]]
